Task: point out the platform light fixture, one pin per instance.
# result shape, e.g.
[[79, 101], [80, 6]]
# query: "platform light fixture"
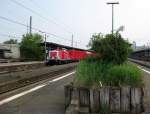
[[45, 36], [112, 4]]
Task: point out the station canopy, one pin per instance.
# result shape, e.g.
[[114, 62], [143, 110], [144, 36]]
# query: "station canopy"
[[141, 50], [51, 45]]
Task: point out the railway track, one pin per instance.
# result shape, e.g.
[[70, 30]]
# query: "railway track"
[[20, 66], [27, 81], [143, 63]]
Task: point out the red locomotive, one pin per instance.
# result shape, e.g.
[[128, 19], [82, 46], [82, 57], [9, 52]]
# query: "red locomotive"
[[58, 53], [61, 55]]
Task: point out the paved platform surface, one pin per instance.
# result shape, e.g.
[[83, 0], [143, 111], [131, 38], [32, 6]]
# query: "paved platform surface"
[[20, 63], [145, 63], [146, 74], [46, 100]]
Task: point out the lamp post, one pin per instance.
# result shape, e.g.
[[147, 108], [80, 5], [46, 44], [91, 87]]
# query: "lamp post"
[[45, 36], [112, 4]]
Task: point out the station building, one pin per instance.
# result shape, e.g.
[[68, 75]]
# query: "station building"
[[9, 51]]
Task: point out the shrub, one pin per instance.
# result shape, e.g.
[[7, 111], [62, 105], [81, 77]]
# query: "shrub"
[[30, 47], [90, 72], [109, 67], [87, 74], [112, 48], [125, 74], [104, 109], [93, 73], [11, 41]]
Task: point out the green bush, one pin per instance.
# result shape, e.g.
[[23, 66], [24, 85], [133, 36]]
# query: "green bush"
[[94, 73], [112, 48], [11, 41], [31, 48], [104, 109], [125, 74], [109, 67], [90, 72], [87, 74]]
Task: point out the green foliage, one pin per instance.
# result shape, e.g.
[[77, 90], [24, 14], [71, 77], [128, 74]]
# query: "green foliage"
[[104, 109], [93, 73], [125, 74], [31, 48], [112, 48], [109, 67], [11, 41], [90, 72]]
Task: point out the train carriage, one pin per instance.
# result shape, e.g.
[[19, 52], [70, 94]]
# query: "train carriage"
[[64, 56], [58, 54]]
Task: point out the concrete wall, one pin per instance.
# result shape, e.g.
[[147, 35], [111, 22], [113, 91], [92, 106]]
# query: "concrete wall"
[[14, 51]]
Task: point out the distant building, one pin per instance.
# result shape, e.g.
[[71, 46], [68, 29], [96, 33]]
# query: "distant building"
[[138, 48], [3, 50], [9, 51]]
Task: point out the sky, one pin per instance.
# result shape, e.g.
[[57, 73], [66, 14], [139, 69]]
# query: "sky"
[[82, 18]]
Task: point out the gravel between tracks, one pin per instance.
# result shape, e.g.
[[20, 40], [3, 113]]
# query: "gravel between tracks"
[[22, 78]]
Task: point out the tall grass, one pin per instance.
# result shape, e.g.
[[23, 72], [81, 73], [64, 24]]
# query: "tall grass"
[[93, 73], [125, 74], [90, 72]]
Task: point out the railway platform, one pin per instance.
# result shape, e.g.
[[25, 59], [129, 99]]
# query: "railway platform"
[[144, 63], [19, 63], [46, 97], [20, 66], [145, 67], [18, 79]]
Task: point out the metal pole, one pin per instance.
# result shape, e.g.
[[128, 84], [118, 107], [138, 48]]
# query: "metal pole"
[[72, 41], [112, 3], [30, 24], [45, 37], [27, 28], [112, 19], [45, 49]]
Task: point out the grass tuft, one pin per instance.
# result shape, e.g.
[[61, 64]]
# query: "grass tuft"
[[123, 75], [94, 73]]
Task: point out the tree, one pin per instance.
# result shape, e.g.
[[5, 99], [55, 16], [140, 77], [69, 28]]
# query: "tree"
[[112, 48], [11, 41], [31, 48]]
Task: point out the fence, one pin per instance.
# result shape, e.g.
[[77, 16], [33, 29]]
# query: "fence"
[[114, 99]]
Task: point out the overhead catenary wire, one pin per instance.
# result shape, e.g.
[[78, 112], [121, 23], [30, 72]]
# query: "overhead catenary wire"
[[38, 6], [36, 29], [14, 36], [38, 14], [12, 21], [10, 36], [54, 18], [41, 16]]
